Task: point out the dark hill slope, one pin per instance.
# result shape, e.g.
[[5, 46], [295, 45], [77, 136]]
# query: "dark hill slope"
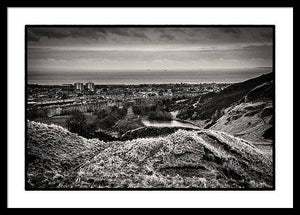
[[243, 109], [184, 159], [211, 105], [252, 117]]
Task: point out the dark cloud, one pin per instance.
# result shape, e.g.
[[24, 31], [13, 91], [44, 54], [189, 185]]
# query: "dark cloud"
[[167, 36], [159, 30], [140, 35], [267, 33], [90, 48], [119, 31], [232, 30], [60, 33], [223, 33], [50, 33], [236, 32], [34, 34], [205, 36]]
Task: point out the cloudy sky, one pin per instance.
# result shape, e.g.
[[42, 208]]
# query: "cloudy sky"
[[111, 48]]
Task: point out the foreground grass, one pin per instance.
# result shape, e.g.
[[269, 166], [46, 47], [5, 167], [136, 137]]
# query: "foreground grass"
[[184, 159]]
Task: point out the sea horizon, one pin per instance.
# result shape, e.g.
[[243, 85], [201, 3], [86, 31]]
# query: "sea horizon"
[[155, 76]]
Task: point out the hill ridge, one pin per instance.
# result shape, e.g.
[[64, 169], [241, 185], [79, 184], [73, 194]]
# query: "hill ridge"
[[183, 159]]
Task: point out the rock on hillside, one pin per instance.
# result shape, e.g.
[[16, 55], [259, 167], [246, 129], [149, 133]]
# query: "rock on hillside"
[[184, 159]]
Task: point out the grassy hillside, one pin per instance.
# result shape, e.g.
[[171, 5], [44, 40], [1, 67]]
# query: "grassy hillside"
[[252, 117], [184, 159], [54, 153], [251, 121], [151, 131], [211, 105], [243, 109]]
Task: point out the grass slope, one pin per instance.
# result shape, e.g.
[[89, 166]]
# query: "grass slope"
[[250, 121], [184, 159], [251, 118], [54, 153], [209, 104]]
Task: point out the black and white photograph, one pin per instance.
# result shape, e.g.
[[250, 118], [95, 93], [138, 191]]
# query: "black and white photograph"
[[112, 107]]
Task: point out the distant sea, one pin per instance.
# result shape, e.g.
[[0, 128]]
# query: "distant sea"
[[146, 76]]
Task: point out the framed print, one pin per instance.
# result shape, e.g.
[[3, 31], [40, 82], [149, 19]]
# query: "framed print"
[[121, 108], [150, 107]]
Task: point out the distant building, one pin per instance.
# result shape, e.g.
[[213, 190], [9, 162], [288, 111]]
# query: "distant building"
[[78, 86], [67, 85], [90, 86]]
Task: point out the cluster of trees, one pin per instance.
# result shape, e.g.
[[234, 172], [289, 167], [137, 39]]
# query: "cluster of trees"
[[108, 117], [66, 112], [143, 110], [77, 123], [105, 120], [153, 112], [128, 124], [160, 115], [35, 113]]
